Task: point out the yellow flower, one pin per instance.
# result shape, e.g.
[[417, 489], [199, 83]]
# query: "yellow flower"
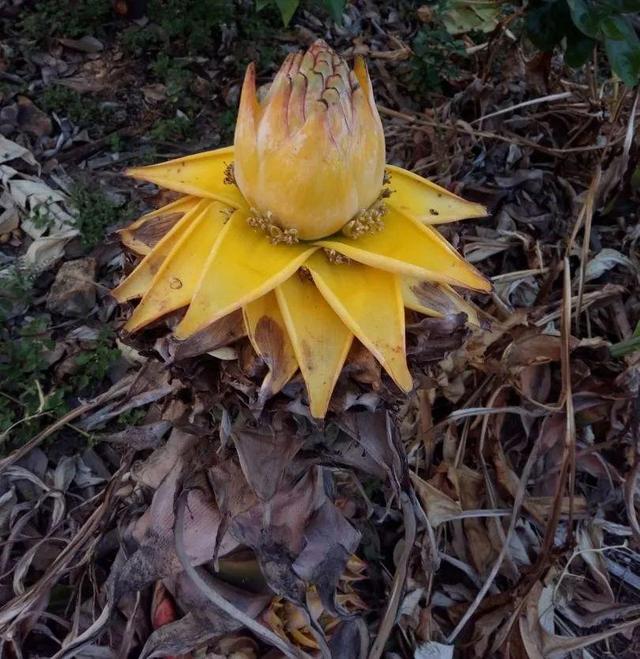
[[303, 227], [313, 152]]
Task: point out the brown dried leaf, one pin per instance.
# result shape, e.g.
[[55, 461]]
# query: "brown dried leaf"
[[139, 438], [439, 507], [279, 538], [218, 334], [330, 541], [264, 456]]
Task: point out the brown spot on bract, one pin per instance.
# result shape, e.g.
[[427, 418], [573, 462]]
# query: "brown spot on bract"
[[363, 366], [270, 339], [432, 296], [218, 334], [307, 355], [151, 232]]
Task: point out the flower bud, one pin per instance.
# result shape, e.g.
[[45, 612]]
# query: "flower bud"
[[311, 154]]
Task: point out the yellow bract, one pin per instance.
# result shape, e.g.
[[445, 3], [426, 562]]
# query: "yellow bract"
[[267, 227], [227, 283], [369, 303], [417, 197], [407, 247], [268, 334], [320, 339], [146, 232], [174, 284], [139, 282]]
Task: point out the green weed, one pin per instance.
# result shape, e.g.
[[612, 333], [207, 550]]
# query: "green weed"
[[16, 287], [94, 214], [176, 78], [68, 18], [28, 399], [433, 63], [578, 26], [67, 102], [116, 143], [173, 128], [192, 25], [139, 40], [132, 417], [23, 367], [42, 217], [93, 365]]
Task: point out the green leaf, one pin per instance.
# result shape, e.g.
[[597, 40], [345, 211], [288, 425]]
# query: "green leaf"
[[623, 6], [287, 9], [586, 16], [626, 347], [635, 186], [579, 47], [547, 23], [335, 9], [460, 17], [623, 52]]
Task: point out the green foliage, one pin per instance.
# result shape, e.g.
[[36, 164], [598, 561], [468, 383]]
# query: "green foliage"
[[628, 346], [16, 287], [67, 102], [139, 40], [227, 125], [581, 24], [132, 417], [434, 53], [287, 8], [179, 27], [23, 364], [462, 16], [68, 18], [194, 22], [28, 399], [42, 217], [116, 143], [24, 357], [176, 78], [94, 213], [174, 128], [93, 365]]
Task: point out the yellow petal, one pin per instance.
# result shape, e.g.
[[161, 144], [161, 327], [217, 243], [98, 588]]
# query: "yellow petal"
[[320, 339], [435, 299], [201, 175], [143, 234], [268, 335], [426, 201], [369, 303], [139, 281], [407, 247], [175, 282], [243, 266]]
